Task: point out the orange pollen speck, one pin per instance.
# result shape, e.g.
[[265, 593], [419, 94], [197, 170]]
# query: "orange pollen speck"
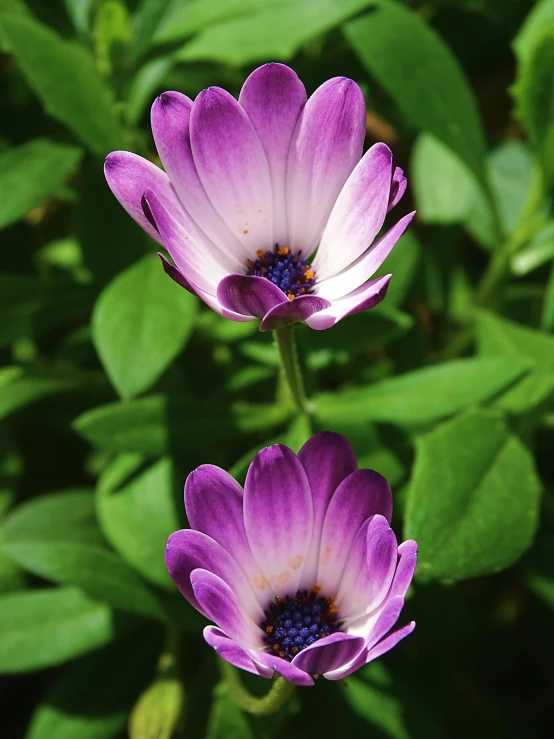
[[309, 274], [290, 296], [269, 629], [260, 253], [283, 251], [316, 589]]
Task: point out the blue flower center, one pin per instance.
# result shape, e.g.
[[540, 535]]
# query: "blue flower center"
[[293, 623], [292, 274]]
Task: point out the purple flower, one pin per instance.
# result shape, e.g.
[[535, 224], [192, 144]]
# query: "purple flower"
[[301, 572], [252, 188]]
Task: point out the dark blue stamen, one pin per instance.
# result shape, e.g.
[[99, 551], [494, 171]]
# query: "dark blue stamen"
[[293, 623], [292, 274]]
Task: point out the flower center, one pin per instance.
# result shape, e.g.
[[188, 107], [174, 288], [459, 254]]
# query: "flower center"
[[293, 623], [292, 274]]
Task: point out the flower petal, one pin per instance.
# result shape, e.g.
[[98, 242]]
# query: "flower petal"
[[390, 641], [369, 569], [278, 516], [233, 653], [358, 214], [189, 550], [128, 176], [326, 145], [329, 653], [289, 671], [197, 260], [327, 459], [365, 266], [220, 605], [273, 97], [249, 294], [170, 117], [365, 297], [362, 494], [233, 168], [213, 501], [397, 187], [405, 568], [293, 311], [171, 270]]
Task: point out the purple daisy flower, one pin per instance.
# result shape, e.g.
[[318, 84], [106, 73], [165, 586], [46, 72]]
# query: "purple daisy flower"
[[252, 188], [300, 572]]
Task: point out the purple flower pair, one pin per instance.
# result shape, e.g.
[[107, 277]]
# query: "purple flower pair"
[[253, 187], [300, 571]]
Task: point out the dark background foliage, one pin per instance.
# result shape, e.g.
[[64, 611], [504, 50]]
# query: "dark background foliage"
[[116, 383]]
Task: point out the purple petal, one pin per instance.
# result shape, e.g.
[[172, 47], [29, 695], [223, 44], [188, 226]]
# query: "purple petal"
[[170, 117], [327, 459], [213, 501], [249, 295], [278, 516], [222, 606], [293, 311], [365, 266], [358, 214], [365, 297], [329, 653], [405, 568], [231, 652], [273, 97], [362, 494], [128, 176], [176, 276], [326, 146], [289, 671], [196, 258], [397, 187], [369, 569], [390, 641], [233, 168], [188, 550]]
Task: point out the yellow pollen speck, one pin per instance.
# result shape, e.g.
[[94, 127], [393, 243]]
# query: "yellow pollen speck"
[[290, 296], [245, 231], [258, 581], [316, 589], [260, 253], [283, 251], [295, 562], [309, 274], [333, 609], [283, 578]]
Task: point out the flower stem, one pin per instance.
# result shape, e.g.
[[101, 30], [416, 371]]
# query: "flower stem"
[[284, 338], [280, 691]]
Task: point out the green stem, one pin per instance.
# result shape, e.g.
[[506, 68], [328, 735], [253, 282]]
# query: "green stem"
[[284, 338], [280, 691]]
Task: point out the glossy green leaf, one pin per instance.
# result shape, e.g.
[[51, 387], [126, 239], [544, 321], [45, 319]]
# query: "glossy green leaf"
[[148, 17], [538, 251], [540, 17], [31, 173], [41, 628], [402, 263], [414, 65], [91, 699], [474, 499], [156, 425], [137, 509], [500, 338], [273, 33], [421, 396], [140, 323], [63, 76]]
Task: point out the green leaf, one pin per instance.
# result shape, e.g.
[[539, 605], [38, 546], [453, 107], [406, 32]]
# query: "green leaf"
[[140, 323], [79, 11], [97, 571], [541, 16], [272, 33], [422, 396], [538, 251], [497, 337], [135, 521], [474, 500], [68, 515], [148, 17], [402, 262], [41, 628], [512, 170], [159, 710], [227, 721], [443, 186], [64, 77], [91, 699], [158, 424], [31, 173], [18, 389], [534, 94], [411, 61]]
